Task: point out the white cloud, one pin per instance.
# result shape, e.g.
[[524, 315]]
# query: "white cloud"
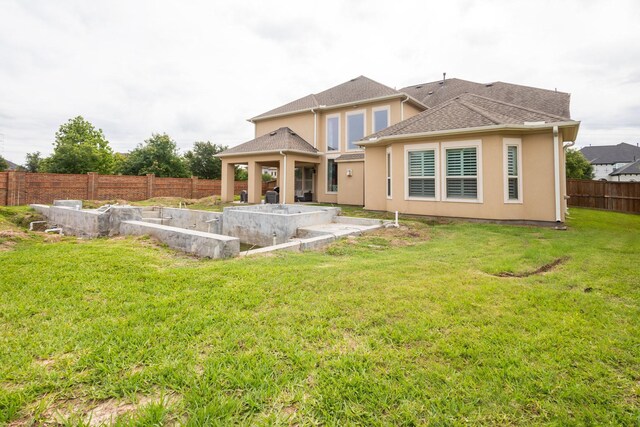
[[198, 69]]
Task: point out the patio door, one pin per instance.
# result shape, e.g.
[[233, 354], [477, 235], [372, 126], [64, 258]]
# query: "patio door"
[[304, 181]]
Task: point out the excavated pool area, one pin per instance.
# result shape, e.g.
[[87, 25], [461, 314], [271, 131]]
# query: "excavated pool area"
[[261, 228]]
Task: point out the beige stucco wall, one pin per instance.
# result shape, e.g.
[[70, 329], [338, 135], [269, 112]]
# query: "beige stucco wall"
[[351, 188], [303, 125], [537, 176]]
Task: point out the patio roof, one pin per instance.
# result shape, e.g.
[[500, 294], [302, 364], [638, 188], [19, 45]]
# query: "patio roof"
[[281, 140]]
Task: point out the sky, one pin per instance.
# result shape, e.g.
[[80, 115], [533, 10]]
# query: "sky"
[[197, 70]]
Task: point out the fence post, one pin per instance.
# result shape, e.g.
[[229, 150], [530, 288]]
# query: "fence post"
[[150, 184], [194, 186], [92, 184], [14, 179]]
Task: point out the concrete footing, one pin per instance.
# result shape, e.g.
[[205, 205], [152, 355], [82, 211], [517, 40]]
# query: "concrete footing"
[[191, 241], [213, 234]]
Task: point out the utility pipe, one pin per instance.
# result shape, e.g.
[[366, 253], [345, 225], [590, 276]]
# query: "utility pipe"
[[556, 171], [284, 180], [402, 108]]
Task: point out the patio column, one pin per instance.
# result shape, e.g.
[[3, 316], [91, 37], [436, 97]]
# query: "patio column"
[[290, 181], [228, 179], [255, 182]]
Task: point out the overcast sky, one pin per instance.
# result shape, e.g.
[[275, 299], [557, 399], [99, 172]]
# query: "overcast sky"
[[198, 69]]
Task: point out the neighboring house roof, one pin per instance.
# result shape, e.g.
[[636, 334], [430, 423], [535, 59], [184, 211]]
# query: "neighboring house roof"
[[611, 154], [355, 90], [283, 139], [11, 166], [351, 157], [467, 111], [630, 169], [435, 93]]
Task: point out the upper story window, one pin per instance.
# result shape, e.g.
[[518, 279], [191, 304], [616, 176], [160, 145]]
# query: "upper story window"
[[333, 132], [355, 128], [380, 118]]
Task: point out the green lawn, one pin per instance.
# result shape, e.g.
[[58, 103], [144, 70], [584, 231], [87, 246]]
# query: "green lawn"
[[401, 327]]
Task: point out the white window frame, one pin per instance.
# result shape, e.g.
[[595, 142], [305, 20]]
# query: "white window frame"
[[506, 143], [444, 146], [346, 128], [434, 146], [389, 166], [326, 139], [386, 108], [326, 175]]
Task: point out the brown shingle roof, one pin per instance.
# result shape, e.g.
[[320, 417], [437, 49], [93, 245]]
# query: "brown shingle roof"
[[350, 157], [467, 111], [435, 93], [283, 139], [359, 89]]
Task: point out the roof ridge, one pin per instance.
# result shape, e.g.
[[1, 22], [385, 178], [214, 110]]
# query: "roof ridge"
[[315, 100], [530, 87], [531, 110], [478, 110]]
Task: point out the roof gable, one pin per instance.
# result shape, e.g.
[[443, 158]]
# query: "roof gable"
[[611, 154]]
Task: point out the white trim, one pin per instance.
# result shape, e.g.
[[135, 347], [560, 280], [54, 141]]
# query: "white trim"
[[388, 184], [462, 131], [346, 104], [444, 146], [326, 133], [386, 108], [346, 129], [506, 143], [436, 152], [326, 174]]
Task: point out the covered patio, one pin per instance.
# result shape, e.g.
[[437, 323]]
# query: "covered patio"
[[296, 160]]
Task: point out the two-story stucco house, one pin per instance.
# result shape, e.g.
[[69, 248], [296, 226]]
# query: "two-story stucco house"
[[446, 148]]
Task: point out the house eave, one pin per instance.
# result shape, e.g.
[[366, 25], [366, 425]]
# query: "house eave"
[[571, 125], [256, 153], [346, 104]]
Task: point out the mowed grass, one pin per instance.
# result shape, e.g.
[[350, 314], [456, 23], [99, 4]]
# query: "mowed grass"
[[400, 327]]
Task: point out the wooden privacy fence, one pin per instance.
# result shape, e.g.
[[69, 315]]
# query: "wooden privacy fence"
[[21, 188], [609, 195]]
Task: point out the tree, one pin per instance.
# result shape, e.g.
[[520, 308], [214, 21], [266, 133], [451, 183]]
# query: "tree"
[[267, 177], [577, 166], [158, 155], [79, 148], [3, 164], [201, 160], [241, 174], [33, 162]]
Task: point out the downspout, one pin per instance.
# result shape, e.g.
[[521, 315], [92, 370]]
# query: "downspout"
[[567, 144], [402, 108], [284, 180], [315, 128], [556, 171]]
